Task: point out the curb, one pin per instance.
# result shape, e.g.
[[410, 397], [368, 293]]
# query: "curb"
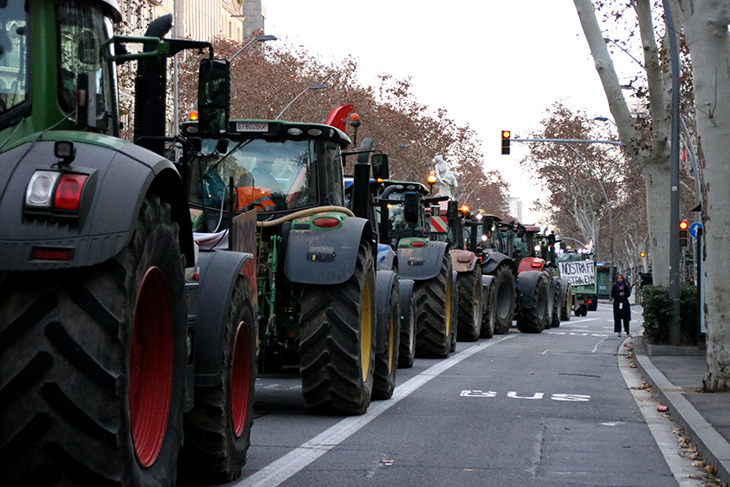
[[711, 445]]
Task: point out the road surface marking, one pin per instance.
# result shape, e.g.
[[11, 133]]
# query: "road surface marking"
[[537, 395], [296, 460]]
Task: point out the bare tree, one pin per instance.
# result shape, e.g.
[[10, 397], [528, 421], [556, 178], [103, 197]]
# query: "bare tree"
[[706, 29]]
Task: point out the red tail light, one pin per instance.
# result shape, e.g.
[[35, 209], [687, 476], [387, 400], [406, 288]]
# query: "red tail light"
[[536, 264], [68, 192], [326, 222], [418, 243], [52, 254]]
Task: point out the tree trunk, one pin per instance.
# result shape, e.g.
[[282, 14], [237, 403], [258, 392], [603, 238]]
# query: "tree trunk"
[[706, 31], [654, 162]]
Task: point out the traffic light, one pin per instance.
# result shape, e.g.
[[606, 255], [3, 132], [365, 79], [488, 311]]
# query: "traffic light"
[[683, 225], [505, 141]]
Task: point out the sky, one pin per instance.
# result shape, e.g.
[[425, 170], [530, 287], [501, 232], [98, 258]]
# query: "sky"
[[495, 65]]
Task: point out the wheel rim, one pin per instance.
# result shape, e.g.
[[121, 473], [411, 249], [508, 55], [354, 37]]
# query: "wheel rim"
[[151, 364], [503, 300], [366, 331], [448, 306], [240, 379]]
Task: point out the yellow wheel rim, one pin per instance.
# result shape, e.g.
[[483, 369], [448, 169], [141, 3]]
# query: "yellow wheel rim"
[[366, 331]]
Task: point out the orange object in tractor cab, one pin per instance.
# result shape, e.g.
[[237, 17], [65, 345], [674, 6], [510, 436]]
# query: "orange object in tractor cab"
[[260, 198]]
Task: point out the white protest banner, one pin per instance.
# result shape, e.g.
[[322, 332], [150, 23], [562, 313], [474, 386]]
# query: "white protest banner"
[[578, 273]]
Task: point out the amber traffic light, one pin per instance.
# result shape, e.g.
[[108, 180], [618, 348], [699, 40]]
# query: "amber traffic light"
[[505, 141]]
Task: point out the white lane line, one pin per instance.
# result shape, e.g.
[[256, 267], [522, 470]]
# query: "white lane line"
[[598, 344], [660, 427], [285, 467]]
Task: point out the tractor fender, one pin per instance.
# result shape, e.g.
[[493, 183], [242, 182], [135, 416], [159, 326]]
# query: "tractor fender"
[[421, 263], [325, 256], [526, 283], [493, 261], [383, 284], [386, 257], [463, 260], [487, 282], [405, 288], [218, 273], [119, 176]]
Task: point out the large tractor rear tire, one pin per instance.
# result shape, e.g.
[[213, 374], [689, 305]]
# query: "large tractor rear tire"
[[535, 317], [407, 344], [337, 341], [434, 314], [386, 358], [504, 289], [218, 429], [469, 308], [92, 366]]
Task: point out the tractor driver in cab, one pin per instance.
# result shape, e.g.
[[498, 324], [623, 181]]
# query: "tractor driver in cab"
[[262, 174]]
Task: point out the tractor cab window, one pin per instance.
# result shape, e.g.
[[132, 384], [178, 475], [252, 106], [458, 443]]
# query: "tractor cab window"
[[14, 54], [266, 175], [397, 218], [333, 184], [85, 79]]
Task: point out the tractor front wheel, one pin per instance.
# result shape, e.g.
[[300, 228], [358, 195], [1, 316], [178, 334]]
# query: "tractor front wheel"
[[218, 429]]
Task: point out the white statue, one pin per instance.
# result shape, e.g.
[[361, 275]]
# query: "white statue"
[[444, 177]]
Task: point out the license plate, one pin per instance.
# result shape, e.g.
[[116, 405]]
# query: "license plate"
[[252, 127]]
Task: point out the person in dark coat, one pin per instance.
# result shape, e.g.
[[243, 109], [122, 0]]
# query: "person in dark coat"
[[621, 307]]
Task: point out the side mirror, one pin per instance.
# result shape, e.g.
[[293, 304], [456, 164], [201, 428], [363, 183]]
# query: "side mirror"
[[380, 166], [411, 207], [214, 85]]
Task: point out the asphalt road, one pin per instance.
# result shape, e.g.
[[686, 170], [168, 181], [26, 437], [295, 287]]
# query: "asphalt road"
[[551, 409]]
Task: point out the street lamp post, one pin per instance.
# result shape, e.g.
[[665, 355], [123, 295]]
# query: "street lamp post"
[[264, 38], [603, 190], [310, 87]]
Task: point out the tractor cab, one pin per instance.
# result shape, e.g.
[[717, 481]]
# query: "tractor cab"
[[274, 167], [69, 80]]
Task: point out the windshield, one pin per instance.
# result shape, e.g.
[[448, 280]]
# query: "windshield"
[[14, 56], [268, 176], [82, 30]]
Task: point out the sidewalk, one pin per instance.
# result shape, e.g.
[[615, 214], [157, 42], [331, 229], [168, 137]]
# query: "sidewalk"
[[677, 381]]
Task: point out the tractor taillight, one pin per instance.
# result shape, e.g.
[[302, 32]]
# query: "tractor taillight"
[[64, 255], [325, 222], [68, 192], [39, 192], [418, 243], [536, 264]]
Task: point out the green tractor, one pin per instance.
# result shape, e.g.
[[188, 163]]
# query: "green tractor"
[[316, 276], [119, 352], [448, 288]]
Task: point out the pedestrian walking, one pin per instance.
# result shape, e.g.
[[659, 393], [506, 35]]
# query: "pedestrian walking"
[[621, 307]]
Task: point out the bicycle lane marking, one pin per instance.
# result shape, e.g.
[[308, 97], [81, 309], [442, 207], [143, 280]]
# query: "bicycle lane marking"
[[296, 460]]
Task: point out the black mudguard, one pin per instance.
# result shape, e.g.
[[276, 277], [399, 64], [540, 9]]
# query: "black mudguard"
[[492, 261], [383, 283], [405, 288], [421, 263], [325, 256], [120, 175], [218, 274], [527, 281]]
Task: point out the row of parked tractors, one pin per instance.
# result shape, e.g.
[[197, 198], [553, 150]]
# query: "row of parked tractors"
[[140, 296]]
